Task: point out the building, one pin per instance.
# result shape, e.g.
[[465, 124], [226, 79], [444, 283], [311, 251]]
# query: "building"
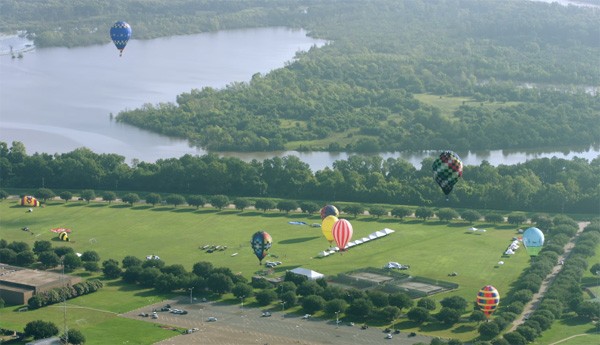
[[18, 284], [310, 274]]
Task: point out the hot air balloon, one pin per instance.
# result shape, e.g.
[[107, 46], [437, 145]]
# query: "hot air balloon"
[[327, 227], [342, 233], [29, 201], [533, 240], [488, 299], [63, 236], [329, 210], [261, 242], [120, 33], [447, 168]]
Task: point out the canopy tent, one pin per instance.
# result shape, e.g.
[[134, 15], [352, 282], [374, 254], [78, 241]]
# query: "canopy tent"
[[379, 233], [388, 231], [310, 274]]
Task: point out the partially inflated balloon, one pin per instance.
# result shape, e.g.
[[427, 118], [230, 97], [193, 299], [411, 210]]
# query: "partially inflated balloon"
[[63, 236], [261, 242], [327, 227], [447, 168], [120, 33], [533, 240], [342, 233], [488, 299], [329, 210]]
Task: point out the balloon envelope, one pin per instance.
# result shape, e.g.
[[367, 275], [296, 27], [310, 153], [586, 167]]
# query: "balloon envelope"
[[29, 201], [488, 299], [342, 233], [447, 168], [120, 33], [329, 210], [63, 236], [327, 227], [261, 242], [533, 240]]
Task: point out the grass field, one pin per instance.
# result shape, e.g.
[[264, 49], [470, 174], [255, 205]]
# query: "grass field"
[[432, 249]]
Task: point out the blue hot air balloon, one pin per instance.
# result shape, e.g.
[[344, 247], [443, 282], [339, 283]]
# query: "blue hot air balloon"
[[533, 240], [120, 33]]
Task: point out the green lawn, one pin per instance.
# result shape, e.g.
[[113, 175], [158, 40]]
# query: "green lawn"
[[431, 248]]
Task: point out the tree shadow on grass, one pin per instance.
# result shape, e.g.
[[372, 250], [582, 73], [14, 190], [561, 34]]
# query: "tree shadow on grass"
[[98, 204], [142, 207], [414, 221], [160, 209], [298, 240], [228, 212], [575, 321], [120, 206], [183, 210], [74, 204], [459, 224], [207, 211], [463, 329], [274, 215], [434, 326], [249, 214]]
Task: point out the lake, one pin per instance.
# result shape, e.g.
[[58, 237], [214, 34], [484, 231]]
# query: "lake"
[[55, 100]]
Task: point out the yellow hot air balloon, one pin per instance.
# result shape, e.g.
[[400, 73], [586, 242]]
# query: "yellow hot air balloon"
[[327, 227]]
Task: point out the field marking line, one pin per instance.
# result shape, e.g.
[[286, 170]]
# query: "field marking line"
[[571, 337]]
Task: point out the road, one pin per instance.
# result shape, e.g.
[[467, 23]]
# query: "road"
[[537, 297]]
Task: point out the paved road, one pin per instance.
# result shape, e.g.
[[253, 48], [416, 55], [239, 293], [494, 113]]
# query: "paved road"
[[246, 326], [537, 297]]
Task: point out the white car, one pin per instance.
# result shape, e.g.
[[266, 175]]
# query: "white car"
[[306, 316], [388, 336], [212, 319]]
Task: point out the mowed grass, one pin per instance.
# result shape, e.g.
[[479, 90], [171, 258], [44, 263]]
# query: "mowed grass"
[[448, 104], [432, 249]]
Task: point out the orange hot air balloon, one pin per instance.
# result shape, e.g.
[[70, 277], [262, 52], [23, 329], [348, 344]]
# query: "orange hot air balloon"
[[488, 299]]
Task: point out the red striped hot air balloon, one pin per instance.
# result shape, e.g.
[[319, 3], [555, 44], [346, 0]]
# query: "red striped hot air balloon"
[[342, 233], [488, 299]]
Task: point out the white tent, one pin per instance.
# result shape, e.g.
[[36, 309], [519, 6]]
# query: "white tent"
[[365, 239], [310, 274], [380, 233], [388, 231], [357, 242], [509, 252], [373, 236], [324, 253], [350, 244]]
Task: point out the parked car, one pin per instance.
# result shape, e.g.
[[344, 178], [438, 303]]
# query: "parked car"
[[212, 319], [388, 336], [266, 314], [306, 316]]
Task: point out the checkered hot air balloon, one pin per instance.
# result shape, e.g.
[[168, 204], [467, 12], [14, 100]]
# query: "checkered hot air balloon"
[[261, 242], [120, 33], [447, 168], [329, 210], [342, 233], [488, 299]]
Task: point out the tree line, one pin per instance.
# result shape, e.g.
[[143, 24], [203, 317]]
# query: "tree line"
[[540, 185]]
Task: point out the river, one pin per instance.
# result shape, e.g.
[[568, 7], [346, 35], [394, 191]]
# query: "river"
[[55, 100]]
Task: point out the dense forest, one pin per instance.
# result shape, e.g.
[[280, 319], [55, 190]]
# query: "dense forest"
[[517, 69], [540, 185]]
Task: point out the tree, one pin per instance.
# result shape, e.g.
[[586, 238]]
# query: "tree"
[[309, 287], [427, 303], [515, 338], [359, 309], [446, 214], [488, 330], [241, 204], [131, 198], [449, 316], [175, 199], [418, 314], [529, 333], [111, 269], [74, 337], [91, 266], [516, 218], [41, 246], [130, 261], [589, 310], [44, 194], [287, 205], [309, 207], [455, 302], [202, 268], [401, 300], [377, 211], [196, 200], [470, 216], [242, 290], [219, 201], [354, 209], [219, 283], [336, 304], [423, 213], [312, 304], [390, 313], [477, 316], [109, 196], [8, 256], [265, 297], [88, 195], [264, 204], [3, 194], [25, 258], [153, 199], [66, 196], [2, 303], [90, 255], [71, 262], [401, 212], [40, 329], [595, 269], [48, 259], [289, 298], [494, 218], [378, 298]]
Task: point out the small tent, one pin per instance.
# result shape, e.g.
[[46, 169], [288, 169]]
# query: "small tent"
[[310, 274]]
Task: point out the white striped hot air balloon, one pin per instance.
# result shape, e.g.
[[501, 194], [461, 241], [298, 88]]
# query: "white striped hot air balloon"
[[342, 233]]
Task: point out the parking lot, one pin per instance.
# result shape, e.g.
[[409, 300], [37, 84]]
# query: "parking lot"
[[236, 325]]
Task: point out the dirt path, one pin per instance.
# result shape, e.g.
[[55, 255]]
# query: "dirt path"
[[537, 297]]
